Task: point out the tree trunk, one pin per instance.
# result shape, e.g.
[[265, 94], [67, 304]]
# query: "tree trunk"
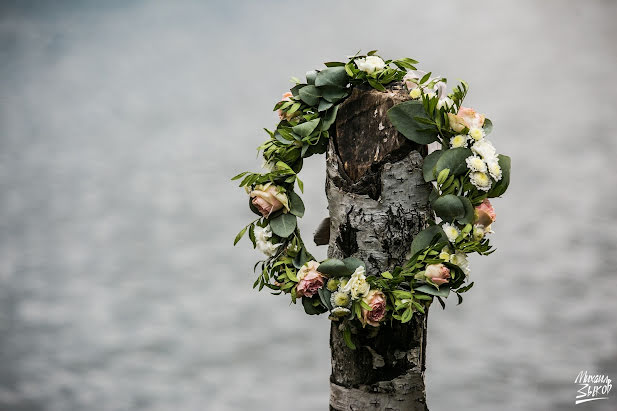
[[378, 201]]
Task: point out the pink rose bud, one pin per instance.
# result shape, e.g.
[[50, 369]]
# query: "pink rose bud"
[[310, 280], [268, 199], [471, 118], [286, 97], [485, 214], [438, 273], [377, 301]]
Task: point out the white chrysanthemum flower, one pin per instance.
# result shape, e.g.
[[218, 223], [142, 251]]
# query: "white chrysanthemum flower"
[[477, 133], [484, 148], [478, 232], [451, 231], [475, 163], [415, 93], [340, 299], [446, 102], [459, 140], [460, 259], [480, 180], [262, 241], [332, 284], [357, 285], [494, 169], [444, 256], [339, 312]]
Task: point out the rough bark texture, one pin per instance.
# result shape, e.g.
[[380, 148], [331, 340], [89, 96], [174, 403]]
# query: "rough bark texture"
[[378, 201]]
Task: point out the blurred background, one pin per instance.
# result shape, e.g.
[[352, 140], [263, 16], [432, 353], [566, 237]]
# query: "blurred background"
[[122, 122]]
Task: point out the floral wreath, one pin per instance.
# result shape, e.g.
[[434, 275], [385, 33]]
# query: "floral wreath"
[[465, 173]]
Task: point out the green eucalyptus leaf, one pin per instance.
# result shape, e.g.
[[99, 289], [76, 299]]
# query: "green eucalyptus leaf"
[[454, 159], [351, 263], [283, 225], [306, 128], [324, 296], [402, 118], [424, 238], [329, 118], [429, 165], [442, 291], [324, 105], [469, 211], [300, 259], [501, 186], [310, 77], [332, 76], [488, 126], [309, 308], [333, 267], [296, 204], [449, 207], [310, 95], [333, 94]]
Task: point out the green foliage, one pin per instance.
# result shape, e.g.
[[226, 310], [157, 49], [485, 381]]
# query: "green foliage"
[[404, 117], [283, 225]]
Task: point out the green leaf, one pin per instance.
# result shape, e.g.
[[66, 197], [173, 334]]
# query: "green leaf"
[[387, 275], [425, 78], [291, 275], [376, 85], [237, 177], [449, 207], [429, 165], [283, 225], [332, 76], [296, 204], [310, 95], [306, 128], [339, 268], [329, 118], [488, 126], [442, 291], [252, 235], [454, 159], [324, 105], [424, 238], [324, 296], [501, 186], [469, 211], [351, 263], [310, 77], [402, 117], [406, 317], [333, 94], [333, 267], [240, 234], [309, 308], [301, 258], [334, 64], [347, 338], [365, 306]]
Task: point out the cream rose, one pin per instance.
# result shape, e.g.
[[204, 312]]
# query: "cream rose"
[[377, 301], [269, 198], [357, 285], [370, 64], [437, 273]]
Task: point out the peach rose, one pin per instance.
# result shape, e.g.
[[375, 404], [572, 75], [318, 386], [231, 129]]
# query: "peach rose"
[[485, 214], [377, 301], [310, 280], [284, 116], [268, 198], [438, 273], [471, 118]]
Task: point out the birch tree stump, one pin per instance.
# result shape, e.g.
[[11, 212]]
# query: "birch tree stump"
[[378, 201]]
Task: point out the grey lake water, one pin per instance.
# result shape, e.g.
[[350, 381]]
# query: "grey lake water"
[[122, 122]]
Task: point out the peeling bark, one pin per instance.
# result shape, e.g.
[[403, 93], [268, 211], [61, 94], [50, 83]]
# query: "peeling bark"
[[378, 201]]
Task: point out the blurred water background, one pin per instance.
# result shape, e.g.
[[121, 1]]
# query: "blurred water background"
[[122, 122]]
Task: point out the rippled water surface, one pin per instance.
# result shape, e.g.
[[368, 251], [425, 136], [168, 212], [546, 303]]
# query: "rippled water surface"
[[121, 123]]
